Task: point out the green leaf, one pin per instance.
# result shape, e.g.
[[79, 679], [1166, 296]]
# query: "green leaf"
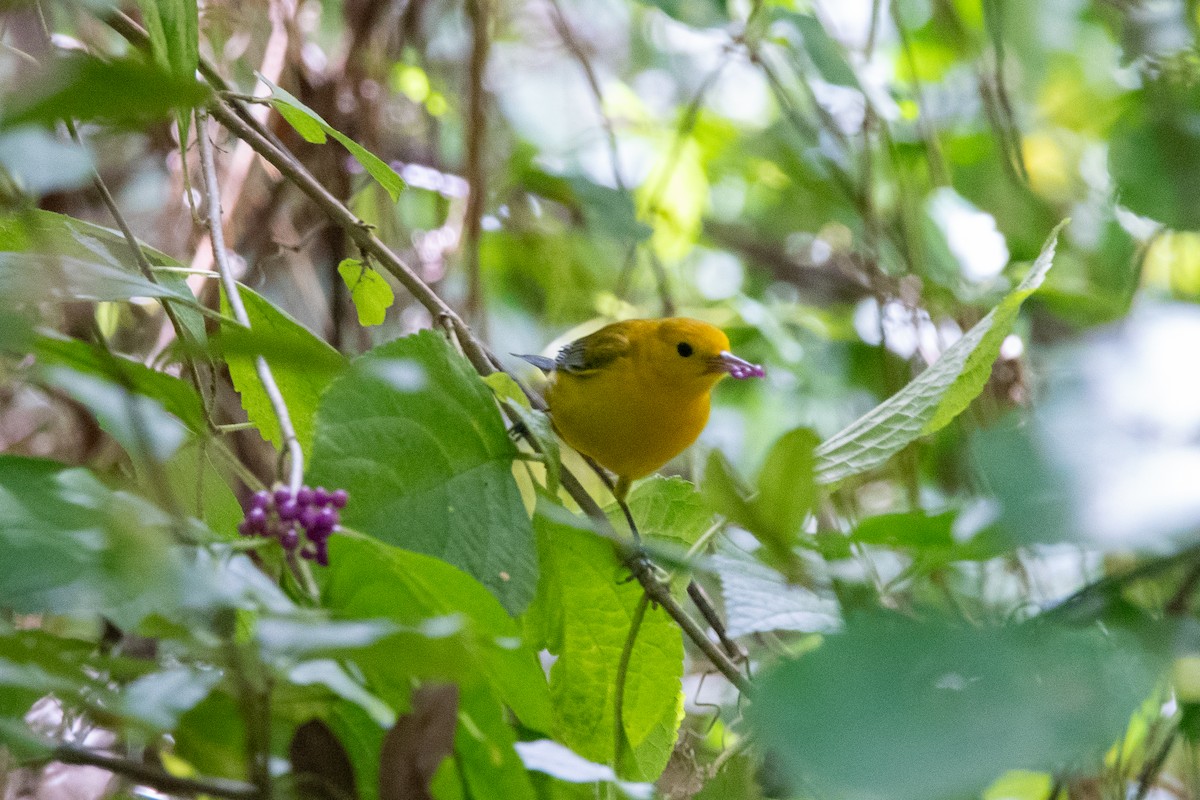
[[538, 424], [313, 128], [415, 437], [1154, 154], [174, 27], [52, 234], [786, 488], [826, 54], [930, 537], [369, 290], [140, 424], [176, 395], [32, 277], [40, 163], [724, 492], [160, 698], [697, 13], [122, 91], [74, 547], [917, 709], [483, 746], [666, 508], [452, 628], [785, 495], [759, 600], [582, 577], [937, 395], [303, 366]]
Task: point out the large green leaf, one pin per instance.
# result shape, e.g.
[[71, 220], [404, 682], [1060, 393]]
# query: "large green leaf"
[[451, 628], [415, 437], [937, 395], [586, 606], [302, 364], [905, 709]]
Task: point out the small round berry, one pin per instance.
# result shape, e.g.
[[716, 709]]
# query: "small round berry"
[[260, 499], [288, 510], [307, 517], [326, 521], [308, 552], [339, 498], [289, 538], [244, 528], [282, 495], [320, 496], [256, 520], [304, 496], [322, 554]]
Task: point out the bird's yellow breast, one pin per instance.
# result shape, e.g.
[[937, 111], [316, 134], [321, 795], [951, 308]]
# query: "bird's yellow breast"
[[626, 418]]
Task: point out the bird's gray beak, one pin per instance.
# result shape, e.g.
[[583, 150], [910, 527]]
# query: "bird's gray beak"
[[739, 368]]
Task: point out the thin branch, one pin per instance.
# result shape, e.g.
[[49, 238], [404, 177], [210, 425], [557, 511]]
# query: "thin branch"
[[217, 235], [476, 175], [155, 777]]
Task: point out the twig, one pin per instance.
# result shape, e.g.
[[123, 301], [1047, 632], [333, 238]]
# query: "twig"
[[155, 777], [476, 143], [287, 430], [1152, 768]]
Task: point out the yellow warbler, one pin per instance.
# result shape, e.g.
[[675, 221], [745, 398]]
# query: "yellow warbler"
[[634, 394]]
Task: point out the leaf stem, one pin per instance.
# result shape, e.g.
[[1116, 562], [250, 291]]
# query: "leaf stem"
[[635, 625]]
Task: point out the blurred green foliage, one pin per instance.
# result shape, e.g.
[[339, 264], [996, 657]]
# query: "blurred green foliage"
[[964, 566]]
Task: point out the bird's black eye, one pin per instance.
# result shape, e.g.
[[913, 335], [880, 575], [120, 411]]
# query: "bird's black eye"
[[684, 349]]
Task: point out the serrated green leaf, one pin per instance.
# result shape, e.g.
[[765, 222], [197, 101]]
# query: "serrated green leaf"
[[370, 580], [369, 290], [302, 364], [987, 699], [313, 128], [597, 607], [666, 508], [937, 395], [415, 436], [759, 600]]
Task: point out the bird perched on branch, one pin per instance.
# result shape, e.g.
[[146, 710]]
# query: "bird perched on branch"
[[635, 394]]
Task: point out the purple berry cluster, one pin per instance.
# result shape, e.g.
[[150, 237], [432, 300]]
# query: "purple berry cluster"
[[283, 515]]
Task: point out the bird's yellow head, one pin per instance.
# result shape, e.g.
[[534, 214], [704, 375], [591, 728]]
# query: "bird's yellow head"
[[693, 355]]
